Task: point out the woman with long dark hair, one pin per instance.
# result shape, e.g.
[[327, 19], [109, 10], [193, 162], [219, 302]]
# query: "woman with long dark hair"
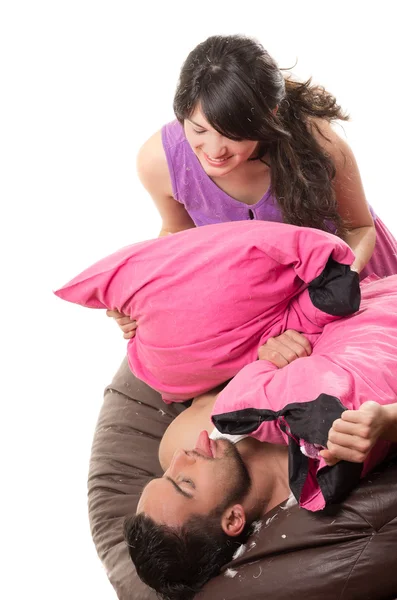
[[249, 142]]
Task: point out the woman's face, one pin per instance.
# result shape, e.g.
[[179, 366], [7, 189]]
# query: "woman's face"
[[217, 154]]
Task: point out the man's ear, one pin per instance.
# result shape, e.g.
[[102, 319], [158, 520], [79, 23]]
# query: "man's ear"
[[233, 520]]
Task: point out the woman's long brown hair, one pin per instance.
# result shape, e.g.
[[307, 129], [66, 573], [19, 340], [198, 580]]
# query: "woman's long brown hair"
[[245, 96]]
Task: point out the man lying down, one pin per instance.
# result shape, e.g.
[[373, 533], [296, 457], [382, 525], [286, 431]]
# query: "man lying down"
[[205, 301], [307, 427]]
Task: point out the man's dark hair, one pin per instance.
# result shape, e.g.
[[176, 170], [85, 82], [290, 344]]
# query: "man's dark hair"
[[177, 562]]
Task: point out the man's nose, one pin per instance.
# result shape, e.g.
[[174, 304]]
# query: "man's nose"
[[180, 460]]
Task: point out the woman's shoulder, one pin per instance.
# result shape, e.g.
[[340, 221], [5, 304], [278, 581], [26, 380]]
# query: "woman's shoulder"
[[331, 140], [152, 162], [172, 134], [153, 153]]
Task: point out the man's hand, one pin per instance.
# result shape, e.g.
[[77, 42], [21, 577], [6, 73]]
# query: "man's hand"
[[353, 436], [126, 325], [285, 348]]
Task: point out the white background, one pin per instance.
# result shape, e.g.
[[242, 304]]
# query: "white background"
[[83, 84]]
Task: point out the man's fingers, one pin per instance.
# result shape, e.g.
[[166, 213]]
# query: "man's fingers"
[[301, 340], [351, 428], [356, 416], [288, 348], [350, 442], [366, 414], [291, 349], [277, 353], [329, 458], [349, 454], [285, 348], [273, 356]]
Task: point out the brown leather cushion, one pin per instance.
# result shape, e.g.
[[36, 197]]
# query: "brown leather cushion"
[[347, 552]]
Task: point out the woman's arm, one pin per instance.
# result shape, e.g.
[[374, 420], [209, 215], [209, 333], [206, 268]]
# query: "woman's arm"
[[154, 175], [153, 172], [350, 196]]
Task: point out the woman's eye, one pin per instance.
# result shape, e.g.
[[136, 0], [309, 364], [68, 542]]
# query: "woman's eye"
[[198, 132]]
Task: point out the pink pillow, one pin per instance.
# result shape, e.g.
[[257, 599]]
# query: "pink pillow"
[[353, 360], [206, 298]]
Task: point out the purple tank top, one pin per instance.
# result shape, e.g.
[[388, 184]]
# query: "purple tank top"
[[205, 202]]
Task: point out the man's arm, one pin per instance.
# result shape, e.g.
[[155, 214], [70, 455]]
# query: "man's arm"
[[390, 431], [353, 436]]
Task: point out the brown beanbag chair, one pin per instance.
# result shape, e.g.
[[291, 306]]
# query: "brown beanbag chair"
[[346, 552]]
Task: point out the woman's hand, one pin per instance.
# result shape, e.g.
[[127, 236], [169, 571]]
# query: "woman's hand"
[[126, 325], [353, 436], [285, 348]]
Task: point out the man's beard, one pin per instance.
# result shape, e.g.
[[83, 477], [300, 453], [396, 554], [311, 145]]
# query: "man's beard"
[[241, 476]]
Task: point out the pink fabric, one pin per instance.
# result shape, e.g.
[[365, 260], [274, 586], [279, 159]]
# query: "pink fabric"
[[205, 298], [353, 359]]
